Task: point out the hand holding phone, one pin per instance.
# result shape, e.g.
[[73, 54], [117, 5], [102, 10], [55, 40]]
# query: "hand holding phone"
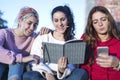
[[102, 50]]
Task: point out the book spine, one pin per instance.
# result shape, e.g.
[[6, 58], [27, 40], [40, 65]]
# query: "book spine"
[[63, 50]]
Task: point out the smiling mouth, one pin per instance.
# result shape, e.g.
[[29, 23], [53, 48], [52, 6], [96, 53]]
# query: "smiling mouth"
[[29, 32]]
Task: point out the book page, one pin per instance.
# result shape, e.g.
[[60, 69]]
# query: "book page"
[[52, 52], [75, 52], [73, 40]]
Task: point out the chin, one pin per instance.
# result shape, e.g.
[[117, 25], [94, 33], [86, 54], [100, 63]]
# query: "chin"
[[62, 32], [28, 34]]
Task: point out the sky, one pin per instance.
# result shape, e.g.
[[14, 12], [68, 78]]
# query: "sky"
[[10, 9]]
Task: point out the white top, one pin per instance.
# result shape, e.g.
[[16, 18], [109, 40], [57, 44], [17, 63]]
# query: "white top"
[[48, 67]]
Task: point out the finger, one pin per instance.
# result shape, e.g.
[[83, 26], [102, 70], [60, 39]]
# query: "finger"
[[103, 55], [63, 63], [46, 30], [106, 65], [36, 59], [42, 30]]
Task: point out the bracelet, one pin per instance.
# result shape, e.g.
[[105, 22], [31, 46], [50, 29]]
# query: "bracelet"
[[117, 67], [14, 61]]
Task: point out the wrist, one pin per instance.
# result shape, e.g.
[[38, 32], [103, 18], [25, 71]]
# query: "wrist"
[[61, 72], [14, 61], [117, 67]]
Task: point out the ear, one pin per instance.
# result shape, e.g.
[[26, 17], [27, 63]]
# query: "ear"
[[19, 22], [67, 22]]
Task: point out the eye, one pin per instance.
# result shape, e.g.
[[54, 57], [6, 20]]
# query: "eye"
[[29, 23], [35, 25], [95, 22], [63, 19], [104, 19], [55, 20]]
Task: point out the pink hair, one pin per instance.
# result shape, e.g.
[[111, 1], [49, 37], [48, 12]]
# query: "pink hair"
[[27, 10]]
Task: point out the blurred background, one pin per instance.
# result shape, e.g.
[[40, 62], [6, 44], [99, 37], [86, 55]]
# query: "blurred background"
[[9, 10]]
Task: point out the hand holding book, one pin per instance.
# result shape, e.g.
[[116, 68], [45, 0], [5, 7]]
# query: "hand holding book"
[[62, 64]]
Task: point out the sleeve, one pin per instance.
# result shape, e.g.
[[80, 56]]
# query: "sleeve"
[[87, 67], [37, 50], [7, 56], [67, 71], [118, 50]]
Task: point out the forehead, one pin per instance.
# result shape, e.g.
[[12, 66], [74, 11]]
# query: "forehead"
[[98, 15], [58, 14], [32, 19]]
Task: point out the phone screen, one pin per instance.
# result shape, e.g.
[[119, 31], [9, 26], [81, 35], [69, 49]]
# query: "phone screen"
[[102, 49]]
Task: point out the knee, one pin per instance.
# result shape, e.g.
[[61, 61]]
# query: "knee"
[[15, 78], [81, 73], [32, 75], [27, 75]]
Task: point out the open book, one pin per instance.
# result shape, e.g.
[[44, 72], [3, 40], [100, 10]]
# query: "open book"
[[74, 50]]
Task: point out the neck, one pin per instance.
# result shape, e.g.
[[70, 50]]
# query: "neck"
[[18, 32], [104, 37], [58, 36]]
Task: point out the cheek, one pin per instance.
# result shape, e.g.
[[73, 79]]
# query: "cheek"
[[65, 22], [95, 26], [107, 25], [24, 27], [55, 24]]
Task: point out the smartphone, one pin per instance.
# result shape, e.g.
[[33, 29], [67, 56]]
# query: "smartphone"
[[102, 49]]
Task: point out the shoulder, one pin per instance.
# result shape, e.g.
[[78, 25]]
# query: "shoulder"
[[5, 31], [34, 35], [44, 37], [115, 42], [82, 37]]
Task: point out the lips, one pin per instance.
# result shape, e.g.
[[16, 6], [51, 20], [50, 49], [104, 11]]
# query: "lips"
[[28, 32], [101, 29]]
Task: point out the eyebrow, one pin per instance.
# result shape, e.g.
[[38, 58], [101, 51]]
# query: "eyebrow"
[[100, 18]]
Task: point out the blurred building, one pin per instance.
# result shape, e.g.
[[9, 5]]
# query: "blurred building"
[[112, 5]]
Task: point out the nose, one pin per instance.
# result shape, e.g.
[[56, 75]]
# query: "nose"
[[32, 27], [100, 23], [60, 23]]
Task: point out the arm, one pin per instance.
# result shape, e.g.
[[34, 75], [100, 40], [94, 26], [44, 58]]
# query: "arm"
[[63, 69], [42, 68], [5, 54], [44, 30], [107, 61]]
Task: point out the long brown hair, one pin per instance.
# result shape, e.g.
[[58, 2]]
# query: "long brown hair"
[[90, 32]]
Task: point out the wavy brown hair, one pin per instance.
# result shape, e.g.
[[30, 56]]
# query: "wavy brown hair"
[[90, 33]]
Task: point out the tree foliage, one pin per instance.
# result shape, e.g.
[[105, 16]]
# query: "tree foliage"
[[3, 23]]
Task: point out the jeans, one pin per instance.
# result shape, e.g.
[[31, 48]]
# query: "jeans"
[[77, 74], [2, 69], [15, 70], [32, 75]]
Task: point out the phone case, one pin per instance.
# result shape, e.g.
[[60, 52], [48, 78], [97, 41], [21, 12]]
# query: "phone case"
[[102, 49]]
